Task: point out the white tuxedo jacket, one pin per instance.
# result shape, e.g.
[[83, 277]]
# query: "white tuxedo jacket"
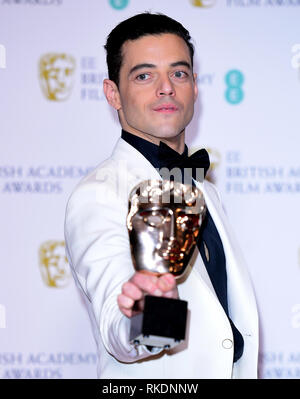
[[99, 254]]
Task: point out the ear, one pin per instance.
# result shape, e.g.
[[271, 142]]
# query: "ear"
[[195, 87], [112, 94]]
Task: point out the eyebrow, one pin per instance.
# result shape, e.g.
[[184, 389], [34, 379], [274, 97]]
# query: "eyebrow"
[[146, 65]]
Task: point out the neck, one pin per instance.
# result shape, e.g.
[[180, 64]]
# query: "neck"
[[176, 143]]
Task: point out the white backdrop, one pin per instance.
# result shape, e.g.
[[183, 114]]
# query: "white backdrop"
[[55, 126]]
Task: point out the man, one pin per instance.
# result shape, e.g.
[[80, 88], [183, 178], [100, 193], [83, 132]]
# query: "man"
[[153, 88]]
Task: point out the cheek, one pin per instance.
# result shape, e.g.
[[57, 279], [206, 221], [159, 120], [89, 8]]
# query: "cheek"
[[137, 225], [187, 99], [135, 100], [190, 108], [132, 107], [192, 96]]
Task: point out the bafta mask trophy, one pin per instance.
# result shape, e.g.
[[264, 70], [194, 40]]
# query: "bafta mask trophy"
[[163, 222]]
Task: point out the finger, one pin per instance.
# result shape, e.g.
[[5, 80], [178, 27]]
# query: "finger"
[[132, 291], [147, 283], [127, 312], [166, 282], [125, 302], [129, 307], [171, 294]]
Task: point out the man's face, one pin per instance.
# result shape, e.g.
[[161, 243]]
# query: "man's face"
[[157, 88]]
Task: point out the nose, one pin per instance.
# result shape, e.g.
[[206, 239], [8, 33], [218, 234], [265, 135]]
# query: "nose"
[[165, 87], [173, 228]]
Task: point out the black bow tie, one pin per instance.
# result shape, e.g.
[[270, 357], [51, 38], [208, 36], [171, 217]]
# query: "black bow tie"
[[169, 158]]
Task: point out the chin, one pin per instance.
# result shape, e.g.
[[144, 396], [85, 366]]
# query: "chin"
[[166, 132]]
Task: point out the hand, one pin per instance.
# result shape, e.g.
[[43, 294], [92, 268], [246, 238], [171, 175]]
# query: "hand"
[[131, 300]]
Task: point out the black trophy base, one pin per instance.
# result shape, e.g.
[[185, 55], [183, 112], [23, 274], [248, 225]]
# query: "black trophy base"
[[162, 323]]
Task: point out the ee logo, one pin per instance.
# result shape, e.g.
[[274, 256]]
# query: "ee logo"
[[234, 80], [118, 4]]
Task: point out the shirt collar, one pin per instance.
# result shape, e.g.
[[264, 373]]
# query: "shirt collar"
[[146, 148]]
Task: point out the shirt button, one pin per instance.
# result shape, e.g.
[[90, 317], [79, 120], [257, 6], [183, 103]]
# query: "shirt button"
[[227, 344]]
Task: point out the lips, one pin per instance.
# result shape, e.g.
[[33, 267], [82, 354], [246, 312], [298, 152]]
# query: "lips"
[[166, 108]]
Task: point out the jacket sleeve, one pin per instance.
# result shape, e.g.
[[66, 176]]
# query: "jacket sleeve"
[[99, 255]]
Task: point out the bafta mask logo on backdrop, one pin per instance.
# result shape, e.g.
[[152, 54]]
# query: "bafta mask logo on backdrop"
[[53, 264], [215, 161], [203, 3], [118, 4], [56, 73], [234, 80]]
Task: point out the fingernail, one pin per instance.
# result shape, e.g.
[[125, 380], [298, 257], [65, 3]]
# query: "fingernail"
[[157, 292]]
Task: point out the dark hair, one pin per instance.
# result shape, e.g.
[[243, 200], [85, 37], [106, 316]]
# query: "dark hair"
[[135, 27]]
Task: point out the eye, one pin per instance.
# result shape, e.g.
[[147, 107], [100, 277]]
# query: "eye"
[[187, 221], [153, 218], [142, 77], [180, 74]]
